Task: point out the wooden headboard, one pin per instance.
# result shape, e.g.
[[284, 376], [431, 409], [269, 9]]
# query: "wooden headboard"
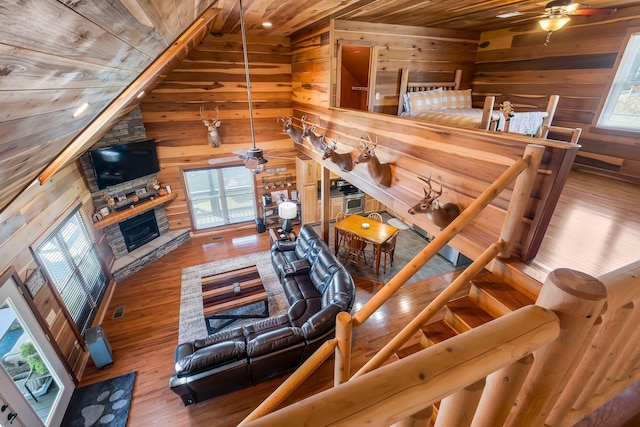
[[407, 86]]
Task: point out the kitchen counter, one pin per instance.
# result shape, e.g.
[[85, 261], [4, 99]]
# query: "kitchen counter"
[[332, 194]]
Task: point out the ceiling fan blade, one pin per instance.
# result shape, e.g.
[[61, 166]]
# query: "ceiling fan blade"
[[584, 12], [529, 18], [279, 157], [241, 153], [219, 160]]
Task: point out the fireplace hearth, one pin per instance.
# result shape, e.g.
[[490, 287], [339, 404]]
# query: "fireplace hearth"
[[139, 230]]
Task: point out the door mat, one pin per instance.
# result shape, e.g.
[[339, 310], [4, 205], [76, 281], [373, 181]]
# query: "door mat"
[[101, 404]]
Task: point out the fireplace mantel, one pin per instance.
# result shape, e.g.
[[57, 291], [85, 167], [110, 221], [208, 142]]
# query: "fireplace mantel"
[[116, 217]]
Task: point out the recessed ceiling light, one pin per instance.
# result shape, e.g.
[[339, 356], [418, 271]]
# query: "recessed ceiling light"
[[267, 24], [81, 109], [509, 15]]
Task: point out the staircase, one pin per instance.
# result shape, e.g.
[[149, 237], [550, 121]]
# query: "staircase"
[[490, 296]]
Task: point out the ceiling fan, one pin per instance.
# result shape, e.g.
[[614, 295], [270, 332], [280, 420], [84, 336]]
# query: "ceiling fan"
[[254, 158], [556, 14]]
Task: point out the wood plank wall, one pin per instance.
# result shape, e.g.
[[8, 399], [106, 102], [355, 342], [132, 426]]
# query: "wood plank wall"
[[422, 50], [578, 65], [33, 214], [213, 76], [466, 161], [92, 52]]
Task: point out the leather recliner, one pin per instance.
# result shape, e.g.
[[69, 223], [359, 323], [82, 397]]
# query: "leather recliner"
[[317, 287]]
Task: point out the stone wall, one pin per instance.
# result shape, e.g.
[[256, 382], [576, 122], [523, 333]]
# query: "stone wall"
[[116, 240], [130, 129]]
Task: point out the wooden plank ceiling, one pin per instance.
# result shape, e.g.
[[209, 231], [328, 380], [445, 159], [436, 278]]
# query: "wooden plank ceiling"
[[56, 55]]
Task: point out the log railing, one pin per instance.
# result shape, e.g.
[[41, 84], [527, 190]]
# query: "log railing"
[[523, 172], [537, 366]]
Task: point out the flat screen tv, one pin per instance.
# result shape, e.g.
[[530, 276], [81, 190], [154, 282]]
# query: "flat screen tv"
[[124, 162]]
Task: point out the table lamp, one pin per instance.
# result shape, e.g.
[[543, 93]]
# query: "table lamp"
[[287, 211]]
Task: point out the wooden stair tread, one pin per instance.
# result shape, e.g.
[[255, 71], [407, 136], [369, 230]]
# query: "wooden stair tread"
[[409, 350], [437, 332], [464, 314], [497, 298]]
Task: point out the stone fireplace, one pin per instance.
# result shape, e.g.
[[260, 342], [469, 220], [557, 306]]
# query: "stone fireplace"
[[147, 236], [139, 230]]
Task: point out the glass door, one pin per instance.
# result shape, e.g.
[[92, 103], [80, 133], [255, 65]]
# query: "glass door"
[[34, 381]]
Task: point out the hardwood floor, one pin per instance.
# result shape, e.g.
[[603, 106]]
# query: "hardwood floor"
[[602, 213], [595, 228]]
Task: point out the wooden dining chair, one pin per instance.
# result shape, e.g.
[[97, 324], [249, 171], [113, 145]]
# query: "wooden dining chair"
[[339, 217], [375, 216], [388, 248], [354, 248]]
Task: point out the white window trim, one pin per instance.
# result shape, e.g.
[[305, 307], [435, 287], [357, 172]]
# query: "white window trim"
[[623, 67], [189, 201]]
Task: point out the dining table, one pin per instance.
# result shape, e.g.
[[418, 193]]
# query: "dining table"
[[376, 233]]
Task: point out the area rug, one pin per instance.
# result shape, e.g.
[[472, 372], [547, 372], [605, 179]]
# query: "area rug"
[[192, 323], [103, 404]]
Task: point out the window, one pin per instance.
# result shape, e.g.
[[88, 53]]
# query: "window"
[[220, 196], [73, 265], [622, 107]]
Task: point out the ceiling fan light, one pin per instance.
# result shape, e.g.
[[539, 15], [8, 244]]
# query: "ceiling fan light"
[[554, 23]]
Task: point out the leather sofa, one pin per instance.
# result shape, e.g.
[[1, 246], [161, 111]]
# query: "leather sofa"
[[317, 288]]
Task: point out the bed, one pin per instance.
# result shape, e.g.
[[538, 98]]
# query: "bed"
[[444, 102]]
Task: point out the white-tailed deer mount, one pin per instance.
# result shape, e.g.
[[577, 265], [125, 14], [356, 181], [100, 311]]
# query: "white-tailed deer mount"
[[288, 128], [308, 133], [439, 215], [212, 127], [380, 172], [344, 161]]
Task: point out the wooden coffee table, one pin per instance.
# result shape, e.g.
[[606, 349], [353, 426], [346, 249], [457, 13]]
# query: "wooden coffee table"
[[224, 293]]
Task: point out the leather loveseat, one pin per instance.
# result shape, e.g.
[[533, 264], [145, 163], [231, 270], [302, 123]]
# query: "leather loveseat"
[[317, 288]]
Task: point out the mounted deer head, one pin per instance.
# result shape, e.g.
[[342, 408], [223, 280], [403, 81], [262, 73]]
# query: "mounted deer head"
[[439, 215], [212, 127], [308, 133], [344, 161], [288, 128], [380, 172]]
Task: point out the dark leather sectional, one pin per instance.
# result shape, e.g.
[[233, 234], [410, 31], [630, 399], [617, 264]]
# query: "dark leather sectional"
[[317, 288]]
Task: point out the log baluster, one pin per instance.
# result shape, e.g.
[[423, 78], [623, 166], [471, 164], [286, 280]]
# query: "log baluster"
[[342, 364], [605, 342], [577, 299], [458, 408], [500, 392]]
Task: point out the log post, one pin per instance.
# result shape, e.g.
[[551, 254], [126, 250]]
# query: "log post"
[[624, 360], [623, 286], [342, 368], [605, 344], [500, 392], [421, 419], [577, 299], [458, 408], [519, 198], [579, 376]]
